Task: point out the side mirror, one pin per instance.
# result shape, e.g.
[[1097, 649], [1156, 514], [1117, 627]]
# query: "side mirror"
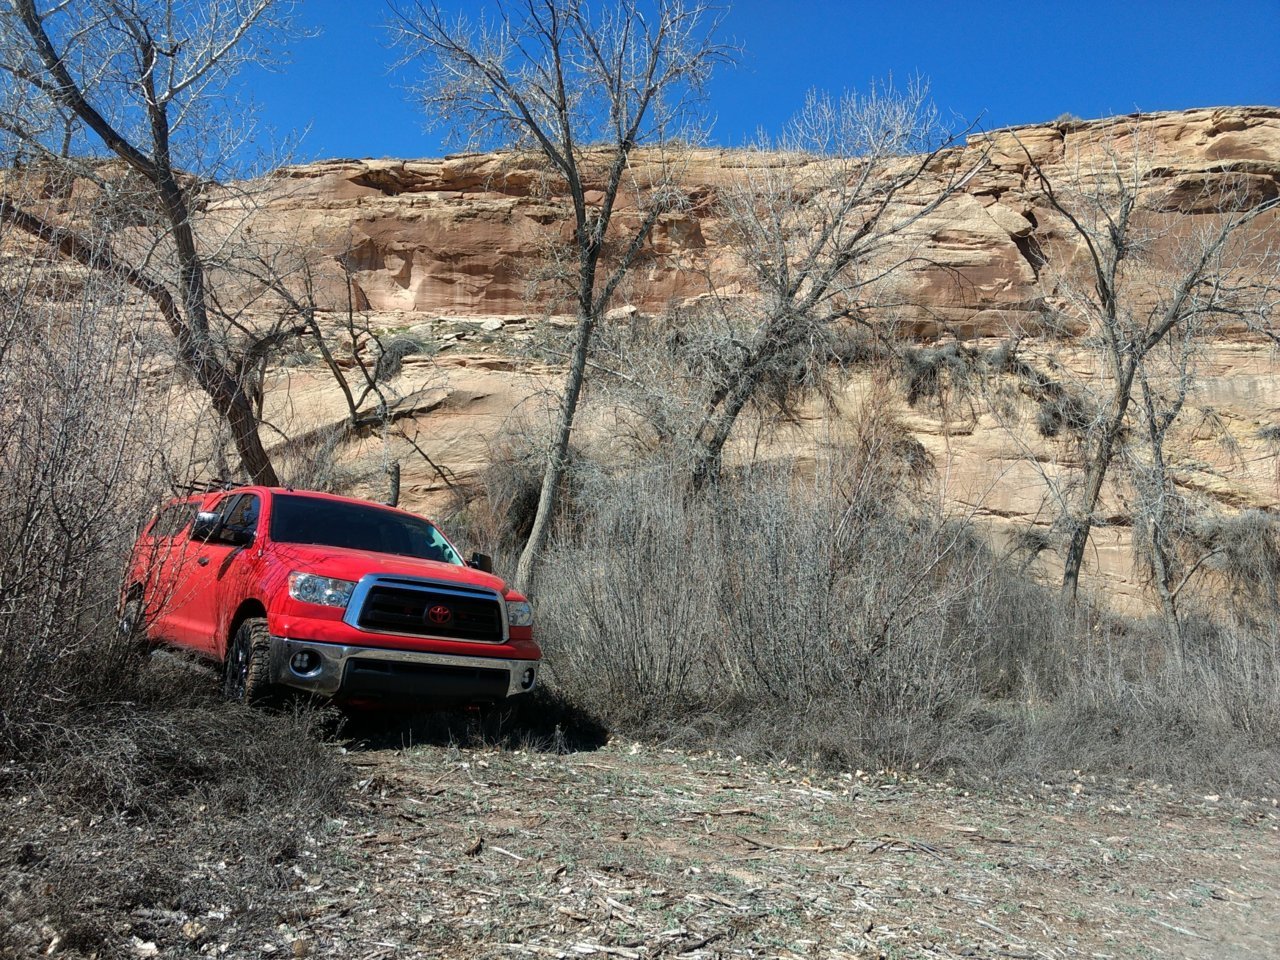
[[481, 561], [205, 526]]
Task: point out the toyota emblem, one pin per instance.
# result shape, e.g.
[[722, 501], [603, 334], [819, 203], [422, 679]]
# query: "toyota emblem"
[[439, 614]]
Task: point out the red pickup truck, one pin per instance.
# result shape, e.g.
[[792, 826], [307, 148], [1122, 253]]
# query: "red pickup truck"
[[338, 597]]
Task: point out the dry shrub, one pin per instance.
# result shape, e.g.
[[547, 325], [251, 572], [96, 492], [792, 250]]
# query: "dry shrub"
[[311, 461], [1126, 704], [74, 467], [137, 817], [835, 618], [511, 483], [129, 794], [770, 601], [499, 519]]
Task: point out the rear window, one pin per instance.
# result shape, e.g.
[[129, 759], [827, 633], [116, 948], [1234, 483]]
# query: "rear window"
[[355, 526], [173, 519]]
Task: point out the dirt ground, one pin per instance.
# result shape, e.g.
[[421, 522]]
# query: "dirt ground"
[[634, 852]]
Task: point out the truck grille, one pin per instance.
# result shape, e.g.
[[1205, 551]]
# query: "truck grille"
[[429, 611]]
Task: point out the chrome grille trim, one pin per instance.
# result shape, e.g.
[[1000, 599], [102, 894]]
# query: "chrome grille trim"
[[355, 606]]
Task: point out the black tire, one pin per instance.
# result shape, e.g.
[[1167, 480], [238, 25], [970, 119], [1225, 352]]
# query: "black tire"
[[246, 676]]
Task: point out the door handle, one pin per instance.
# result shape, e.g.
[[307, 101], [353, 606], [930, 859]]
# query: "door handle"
[[203, 561]]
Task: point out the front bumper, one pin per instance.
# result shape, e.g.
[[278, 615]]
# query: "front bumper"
[[379, 673]]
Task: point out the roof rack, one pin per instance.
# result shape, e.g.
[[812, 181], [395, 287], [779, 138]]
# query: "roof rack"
[[204, 486]]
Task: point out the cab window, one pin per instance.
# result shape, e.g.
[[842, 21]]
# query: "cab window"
[[174, 518], [241, 513]]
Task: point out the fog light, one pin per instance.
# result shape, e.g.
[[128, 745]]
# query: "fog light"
[[527, 678], [305, 663]]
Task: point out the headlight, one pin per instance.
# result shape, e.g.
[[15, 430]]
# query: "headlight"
[[519, 613], [324, 591]]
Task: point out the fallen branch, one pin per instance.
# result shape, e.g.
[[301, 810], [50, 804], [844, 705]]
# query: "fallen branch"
[[816, 848], [903, 845], [1182, 930]]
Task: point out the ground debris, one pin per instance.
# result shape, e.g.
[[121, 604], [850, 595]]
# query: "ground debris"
[[634, 854]]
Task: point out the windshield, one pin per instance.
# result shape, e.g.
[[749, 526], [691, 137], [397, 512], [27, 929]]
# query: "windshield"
[[332, 523]]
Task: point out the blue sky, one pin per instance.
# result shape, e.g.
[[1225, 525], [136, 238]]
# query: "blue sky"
[[996, 62]]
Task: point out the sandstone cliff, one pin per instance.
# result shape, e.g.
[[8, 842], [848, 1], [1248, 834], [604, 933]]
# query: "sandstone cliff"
[[446, 248], [458, 236]]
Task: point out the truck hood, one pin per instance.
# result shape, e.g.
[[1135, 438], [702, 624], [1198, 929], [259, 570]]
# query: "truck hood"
[[343, 563]]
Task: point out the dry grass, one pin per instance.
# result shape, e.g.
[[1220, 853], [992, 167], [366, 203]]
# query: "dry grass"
[[832, 619], [169, 813]]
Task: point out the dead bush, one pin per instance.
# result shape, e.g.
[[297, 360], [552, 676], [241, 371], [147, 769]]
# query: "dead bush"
[[499, 519], [135, 817], [134, 802], [75, 466], [313, 461], [835, 618], [767, 597], [1127, 705]]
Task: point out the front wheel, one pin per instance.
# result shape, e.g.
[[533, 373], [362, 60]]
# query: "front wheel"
[[247, 673]]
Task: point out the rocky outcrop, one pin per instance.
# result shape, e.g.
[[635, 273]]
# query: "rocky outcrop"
[[446, 248], [462, 235]]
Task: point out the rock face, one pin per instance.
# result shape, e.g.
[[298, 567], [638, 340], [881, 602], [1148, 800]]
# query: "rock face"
[[462, 235], [446, 249]]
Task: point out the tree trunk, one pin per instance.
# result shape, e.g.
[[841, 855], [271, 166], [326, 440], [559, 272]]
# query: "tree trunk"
[[1160, 546], [526, 568], [1075, 557], [1101, 461], [244, 434], [1168, 600], [707, 468], [393, 484]]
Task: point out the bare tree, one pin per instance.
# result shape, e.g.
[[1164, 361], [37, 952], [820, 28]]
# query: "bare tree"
[[143, 79], [1181, 535], [820, 219], [820, 232], [1143, 276], [585, 88], [1162, 515], [363, 362]]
